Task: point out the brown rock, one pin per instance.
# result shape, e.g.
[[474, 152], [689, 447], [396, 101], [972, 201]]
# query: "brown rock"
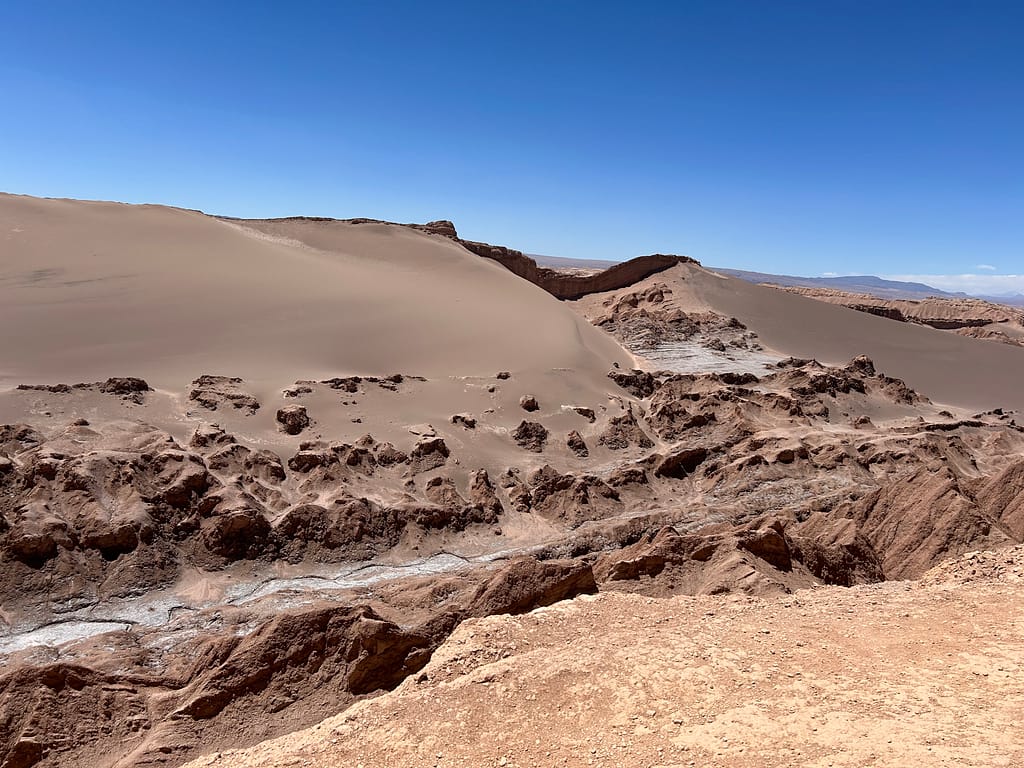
[[529, 403], [213, 391], [577, 445], [293, 419], [622, 432], [429, 453], [483, 496], [465, 420], [681, 463], [531, 435], [586, 413], [528, 583]]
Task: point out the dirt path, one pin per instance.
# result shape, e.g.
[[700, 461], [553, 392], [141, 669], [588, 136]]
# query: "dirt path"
[[897, 674]]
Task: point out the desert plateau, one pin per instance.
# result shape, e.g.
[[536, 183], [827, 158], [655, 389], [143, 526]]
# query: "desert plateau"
[[308, 491]]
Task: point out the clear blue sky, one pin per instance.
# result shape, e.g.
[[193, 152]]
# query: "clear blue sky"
[[801, 137]]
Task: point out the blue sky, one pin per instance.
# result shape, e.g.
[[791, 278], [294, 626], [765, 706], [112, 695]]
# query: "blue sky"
[[796, 137]]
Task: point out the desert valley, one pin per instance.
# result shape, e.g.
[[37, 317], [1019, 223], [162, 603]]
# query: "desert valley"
[[329, 492]]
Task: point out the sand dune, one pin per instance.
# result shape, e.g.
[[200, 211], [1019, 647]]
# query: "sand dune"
[[94, 289], [949, 369]]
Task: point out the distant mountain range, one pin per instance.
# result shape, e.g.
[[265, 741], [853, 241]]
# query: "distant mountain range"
[[869, 284], [875, 286]]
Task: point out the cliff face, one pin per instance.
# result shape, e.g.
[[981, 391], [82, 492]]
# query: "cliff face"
[[558, 284]]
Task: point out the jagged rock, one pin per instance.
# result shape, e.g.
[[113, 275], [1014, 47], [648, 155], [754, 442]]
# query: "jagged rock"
[[348, 384], [627, 476], [353, 645], [503, 375], [483, 496], [638, 383], [442, 491], [1002, 498], [622, 432], [586, 413], [529, 403], [34, 546], [213, 391], [177, 478], [293, 419], [577, 445], [230, 458], [428, 454], [527, 583], [208, 435], [441, 227], [789, 455], [835, 551], [574, 500], [681, 463], [715, 344], [465, 420], [266, 466], [920, 517], [518, 492], [128, 387], [770, 544], [863, 365], [356, 456], [237, 533], [300, 389], [307, 461], [15, 438], [531, 435], [387, 455]]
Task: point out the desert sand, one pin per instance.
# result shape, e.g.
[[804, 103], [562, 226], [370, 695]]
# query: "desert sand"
[[104, 289], [253, 473]]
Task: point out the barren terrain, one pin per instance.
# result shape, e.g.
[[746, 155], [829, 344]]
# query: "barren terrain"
[[964, 316], [895, 674], [253, 472]]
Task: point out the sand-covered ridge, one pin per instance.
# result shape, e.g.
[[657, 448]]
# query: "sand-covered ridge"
[[104, 289]]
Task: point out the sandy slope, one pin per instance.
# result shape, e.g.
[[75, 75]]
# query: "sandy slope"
[[947, 368], [101, 289], [833, 677]]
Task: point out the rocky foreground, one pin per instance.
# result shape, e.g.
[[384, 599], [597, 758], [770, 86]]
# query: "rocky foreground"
[[679, 484], [895, 674]]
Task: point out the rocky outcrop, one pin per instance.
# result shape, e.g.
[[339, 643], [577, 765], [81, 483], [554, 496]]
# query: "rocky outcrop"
[[211, 392], [623, 432], [288, 671], [293, 419], [531, 435]]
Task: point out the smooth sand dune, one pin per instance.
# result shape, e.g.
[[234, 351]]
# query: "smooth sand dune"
[[90, 290], [947, 368]]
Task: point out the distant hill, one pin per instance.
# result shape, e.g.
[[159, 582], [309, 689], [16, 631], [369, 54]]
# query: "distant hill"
[[869, 284], [559, 262], [875, 286], [1013, 299]]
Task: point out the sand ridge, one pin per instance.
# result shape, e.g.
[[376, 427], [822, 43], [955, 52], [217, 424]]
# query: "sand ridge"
[[103, 289]]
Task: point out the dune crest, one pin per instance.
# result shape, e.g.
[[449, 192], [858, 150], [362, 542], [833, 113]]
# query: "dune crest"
[[100, 289]]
